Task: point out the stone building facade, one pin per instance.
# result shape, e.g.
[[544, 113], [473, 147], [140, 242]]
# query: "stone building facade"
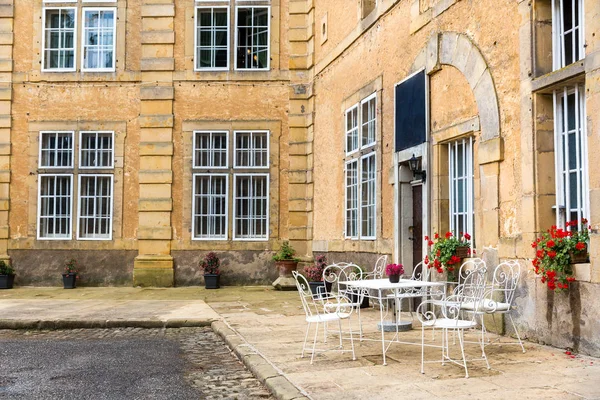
[[481, 93], [137, 135]]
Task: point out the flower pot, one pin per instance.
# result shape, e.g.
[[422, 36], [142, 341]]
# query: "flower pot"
[[363, 304], [462, 252], [394, 278], [69, 281], [212, 281], [285, 267], [579, 258], [317, 289], [6, 281]]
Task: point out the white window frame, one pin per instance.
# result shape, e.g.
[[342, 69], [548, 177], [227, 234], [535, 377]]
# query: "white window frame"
[[111, 207], [83, 38], [234, 198], [562, 177], [194, 194], [361, 206], [467, 177], [75, 13], [252, 132], [39, 208], [196, 54], [112, 150], [348, 187], [373, 98], [211, 150], [268, 67], [354, 128], [41, 137], [558, 34]]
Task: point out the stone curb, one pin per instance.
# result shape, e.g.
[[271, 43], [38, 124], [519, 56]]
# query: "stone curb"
[[277, 383], [102, 324]]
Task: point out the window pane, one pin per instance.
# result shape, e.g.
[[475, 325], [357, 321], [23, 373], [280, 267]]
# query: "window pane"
[[98, 46], [95, 213], [59, 34], [352, 199], [209, 209], [54, 207], [252, 38], [251, 210], [56, 149], [210, 149], [212, 38], [252, 149]]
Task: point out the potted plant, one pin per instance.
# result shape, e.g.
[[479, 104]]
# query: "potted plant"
[[446, 252], [556, 251], [70, 274], [314, 275], [285, 262], [212, 275], [7, 275], [393, 271]]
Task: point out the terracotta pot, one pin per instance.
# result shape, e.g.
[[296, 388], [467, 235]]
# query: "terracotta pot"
[[286, 267]]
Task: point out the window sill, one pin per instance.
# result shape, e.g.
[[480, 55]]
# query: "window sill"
[[559, 78]]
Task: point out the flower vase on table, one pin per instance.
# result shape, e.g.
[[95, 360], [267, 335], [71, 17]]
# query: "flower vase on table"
[[394, 271]]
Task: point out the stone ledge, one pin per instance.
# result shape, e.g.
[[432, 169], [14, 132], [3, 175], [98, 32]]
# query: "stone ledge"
[[546, 83], [260, 367]]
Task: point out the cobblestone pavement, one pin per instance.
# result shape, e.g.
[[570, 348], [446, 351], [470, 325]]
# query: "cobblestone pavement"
[[130, 363]]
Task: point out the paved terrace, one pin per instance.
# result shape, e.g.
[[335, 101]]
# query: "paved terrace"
[[266, 329]]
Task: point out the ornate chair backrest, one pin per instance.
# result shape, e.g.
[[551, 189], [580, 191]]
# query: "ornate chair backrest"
[[505, 281], [306, 297], [471, 290], [379, 269], [335, 273], [467, 268], [420, 272]]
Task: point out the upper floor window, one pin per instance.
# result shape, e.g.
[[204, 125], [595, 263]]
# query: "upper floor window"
[[250, 39], [360, 166], [60, 37], [568, 36]]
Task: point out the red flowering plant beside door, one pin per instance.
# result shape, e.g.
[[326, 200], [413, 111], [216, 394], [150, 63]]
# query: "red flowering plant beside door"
[[444, 252], [554, 250]]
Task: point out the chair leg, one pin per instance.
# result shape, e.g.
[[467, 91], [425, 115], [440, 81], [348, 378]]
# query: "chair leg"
[[312, 357], [351, 339], [340, 332], [324, 332], [305, 338], [517, 332], [482, 344], [483, 334], [444, 345], [495, 324], [360, 331], [422, 349], [462, 350]]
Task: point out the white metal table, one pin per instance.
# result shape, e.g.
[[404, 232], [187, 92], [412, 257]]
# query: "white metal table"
[[382, 286]]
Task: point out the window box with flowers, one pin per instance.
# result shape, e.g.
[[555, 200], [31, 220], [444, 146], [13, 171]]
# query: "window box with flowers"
[[556, 252], [446, 253], [212, 274]]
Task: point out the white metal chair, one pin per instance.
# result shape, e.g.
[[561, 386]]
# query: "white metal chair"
[[470, 290], [499, 297], [323, 310], [335, 273], [378, 269]]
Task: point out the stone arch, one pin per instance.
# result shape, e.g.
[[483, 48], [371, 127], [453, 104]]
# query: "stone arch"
[[457, 50]]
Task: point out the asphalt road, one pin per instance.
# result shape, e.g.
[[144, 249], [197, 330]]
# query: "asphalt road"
[[122, 364]]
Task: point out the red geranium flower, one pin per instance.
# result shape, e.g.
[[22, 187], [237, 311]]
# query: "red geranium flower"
[[448, 235], [550, 243], [580, 246], [467, 236], [551, 254]]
